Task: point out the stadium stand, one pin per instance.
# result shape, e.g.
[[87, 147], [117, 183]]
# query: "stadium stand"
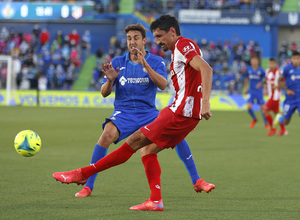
[[58, 60], [272, 7]]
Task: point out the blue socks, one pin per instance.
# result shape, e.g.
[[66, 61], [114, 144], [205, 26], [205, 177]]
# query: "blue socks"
[[184, 152], [99, 152], [280, 119], [251, 112], [265, 120]]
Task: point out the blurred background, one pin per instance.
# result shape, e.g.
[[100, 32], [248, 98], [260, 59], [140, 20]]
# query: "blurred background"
[[54, 50]]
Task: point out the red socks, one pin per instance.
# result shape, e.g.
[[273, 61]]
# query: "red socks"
[[153, 171], [115, 158], [270, 120], [282, 126]]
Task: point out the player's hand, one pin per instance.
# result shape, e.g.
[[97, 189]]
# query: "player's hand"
[[245, 91], [290, 92], [265, 91], [139, 56], [110, 72], [205, 111], [258, 85]]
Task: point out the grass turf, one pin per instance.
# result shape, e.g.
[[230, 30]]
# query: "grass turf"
[[256, 177]]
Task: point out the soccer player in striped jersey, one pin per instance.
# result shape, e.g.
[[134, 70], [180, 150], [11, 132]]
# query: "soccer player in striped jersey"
[[192, 80], [274, 94]]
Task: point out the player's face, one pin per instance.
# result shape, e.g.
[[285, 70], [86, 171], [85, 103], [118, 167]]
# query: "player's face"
[[296, 61], [254, 61], [163, 38], [272, 64], [135, 40]]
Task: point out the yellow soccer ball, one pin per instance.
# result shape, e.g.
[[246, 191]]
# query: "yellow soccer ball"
[[27, 143]]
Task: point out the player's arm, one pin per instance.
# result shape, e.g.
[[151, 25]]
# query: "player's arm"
[[282, 85], [199, 64], [246, 81], [277, 75], [156, 78], [111, 75]]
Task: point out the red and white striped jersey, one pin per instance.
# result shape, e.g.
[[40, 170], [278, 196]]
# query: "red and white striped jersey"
[[272, 80], [186, 80]]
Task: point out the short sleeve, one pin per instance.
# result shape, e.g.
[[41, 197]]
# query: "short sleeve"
[[188, 49]]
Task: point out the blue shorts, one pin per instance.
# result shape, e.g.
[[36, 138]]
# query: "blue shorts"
[[128, 122], [258, 96], [290, 108]]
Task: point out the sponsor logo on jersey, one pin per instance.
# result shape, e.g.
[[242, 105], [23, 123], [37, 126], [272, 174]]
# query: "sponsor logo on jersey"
[[140, 81], [294, 77], [254, 77]]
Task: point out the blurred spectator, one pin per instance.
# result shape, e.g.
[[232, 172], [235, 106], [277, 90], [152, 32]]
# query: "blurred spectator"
[[164, 6], [42, 82], [99, 54], [36, 30], [44, 36], [74, 37]]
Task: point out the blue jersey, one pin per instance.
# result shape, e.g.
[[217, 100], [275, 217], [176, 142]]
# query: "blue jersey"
[[292, 81], [134, 88], [255, 77]]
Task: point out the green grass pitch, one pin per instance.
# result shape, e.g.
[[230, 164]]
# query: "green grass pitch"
[[256, 177]]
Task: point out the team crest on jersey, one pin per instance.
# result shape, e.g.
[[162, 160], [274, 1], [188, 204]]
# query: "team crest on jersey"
[[144, 69], [122, 80], [186, 48]]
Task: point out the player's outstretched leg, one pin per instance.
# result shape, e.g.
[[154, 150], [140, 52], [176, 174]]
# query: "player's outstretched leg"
[[99, 153], [153, 172], [79, 176], [184, 153]]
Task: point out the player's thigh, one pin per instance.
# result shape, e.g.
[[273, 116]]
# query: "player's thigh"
[[150, 149], [109, 135], [250, 100], [288, 110], [260, 99], [125, 122]]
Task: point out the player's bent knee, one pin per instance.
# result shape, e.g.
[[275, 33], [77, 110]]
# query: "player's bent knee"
[[108, 137], [149, 149]]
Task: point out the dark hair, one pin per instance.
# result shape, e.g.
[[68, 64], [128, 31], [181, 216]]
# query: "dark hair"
[[272, 59], [165, 22], [136, 27], [254, 57], [295, 53]]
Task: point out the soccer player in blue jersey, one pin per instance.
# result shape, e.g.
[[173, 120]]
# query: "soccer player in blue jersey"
[[290, 82], [255, 76], [136, 76]]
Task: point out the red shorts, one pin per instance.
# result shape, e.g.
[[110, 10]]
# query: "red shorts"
[[169, 129], [272, 105]]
